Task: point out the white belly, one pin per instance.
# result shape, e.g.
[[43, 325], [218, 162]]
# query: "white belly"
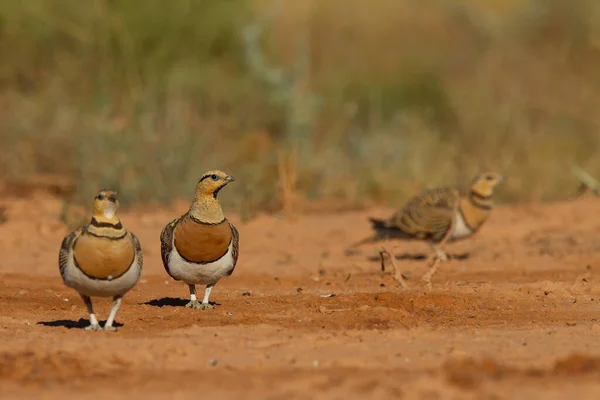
[[200, 274], [461, 229], [76, 279]]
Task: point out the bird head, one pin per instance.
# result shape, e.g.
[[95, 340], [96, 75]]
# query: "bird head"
[[105, 205], [211, 182], [484, 184]]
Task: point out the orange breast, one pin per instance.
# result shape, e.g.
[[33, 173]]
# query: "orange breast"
[[101, 257], [474, 216], [202, 243]]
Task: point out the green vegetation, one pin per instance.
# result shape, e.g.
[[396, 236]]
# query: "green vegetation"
[[365, 101]]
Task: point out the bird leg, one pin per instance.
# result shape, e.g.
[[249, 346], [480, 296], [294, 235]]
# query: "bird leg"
[[193, 303], [397, 273], [205, 304], [108, 326], [94, 325], [427, 277], [437, 256]]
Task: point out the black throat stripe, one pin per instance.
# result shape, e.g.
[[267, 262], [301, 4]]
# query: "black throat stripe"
[[216, 192], [483, 202], [480, 196], [97, 224], [88, 232], [196, 220]]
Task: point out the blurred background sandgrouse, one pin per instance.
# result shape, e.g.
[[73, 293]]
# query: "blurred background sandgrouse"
[[101, 259], [201, 246], [438, 216]]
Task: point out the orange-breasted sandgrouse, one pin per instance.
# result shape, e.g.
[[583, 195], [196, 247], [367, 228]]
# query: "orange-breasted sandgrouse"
[[438, 216], [101, 259], [201, 246]]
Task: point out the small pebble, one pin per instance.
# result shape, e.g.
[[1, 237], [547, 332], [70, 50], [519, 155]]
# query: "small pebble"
[[246, 294], [213, 363]]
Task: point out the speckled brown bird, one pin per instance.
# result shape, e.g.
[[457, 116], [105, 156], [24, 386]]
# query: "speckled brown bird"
[[201, 246], [101, 259], [438, 216]]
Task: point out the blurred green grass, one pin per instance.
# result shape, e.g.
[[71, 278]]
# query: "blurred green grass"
[[378, 100]]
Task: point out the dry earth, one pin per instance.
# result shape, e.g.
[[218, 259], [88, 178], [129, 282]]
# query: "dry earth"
[[515, 314]]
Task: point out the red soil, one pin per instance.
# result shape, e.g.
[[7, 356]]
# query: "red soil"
[[516, 316]]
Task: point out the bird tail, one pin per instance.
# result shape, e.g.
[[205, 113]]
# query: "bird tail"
[[378, 224], [382, 230], [370, 239]]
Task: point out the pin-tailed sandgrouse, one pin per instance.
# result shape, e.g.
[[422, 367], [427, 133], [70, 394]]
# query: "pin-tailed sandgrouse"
[[438, 216], [101, 259], [201, 246]]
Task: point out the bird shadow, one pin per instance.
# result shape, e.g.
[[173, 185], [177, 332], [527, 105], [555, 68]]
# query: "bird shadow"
[[170, 302], [421, 256], [70, 324]]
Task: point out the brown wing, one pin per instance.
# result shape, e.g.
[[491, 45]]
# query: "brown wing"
[[138, 251], [235, 240], [66, 246], [429, 215], [166, 242]]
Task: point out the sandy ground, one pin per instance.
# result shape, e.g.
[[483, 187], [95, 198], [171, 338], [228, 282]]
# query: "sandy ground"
[[515, 314]]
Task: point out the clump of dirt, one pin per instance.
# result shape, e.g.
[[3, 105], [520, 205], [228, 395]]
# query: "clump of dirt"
[[28, 366], [470, 373], [577, 364]]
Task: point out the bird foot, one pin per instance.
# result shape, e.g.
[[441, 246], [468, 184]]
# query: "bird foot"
[[193, 304], [93, 327], [110, 328], [427, 277], [442, 256], [427, 283], [196, 304], [398, 277]]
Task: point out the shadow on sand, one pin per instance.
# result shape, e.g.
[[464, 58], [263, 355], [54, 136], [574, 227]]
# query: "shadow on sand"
[[70, 324]]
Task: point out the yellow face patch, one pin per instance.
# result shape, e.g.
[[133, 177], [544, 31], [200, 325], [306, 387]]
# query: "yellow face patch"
[[211, 182], [485, 184]]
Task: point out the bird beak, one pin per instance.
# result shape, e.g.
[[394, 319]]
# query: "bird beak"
[[229, 179], [501, 178]]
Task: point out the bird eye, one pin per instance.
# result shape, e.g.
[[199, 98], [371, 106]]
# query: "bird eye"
[[100, 196], [214, 177], [489, 177]]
